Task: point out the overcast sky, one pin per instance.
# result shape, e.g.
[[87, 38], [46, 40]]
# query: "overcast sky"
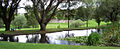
[[24, 2]]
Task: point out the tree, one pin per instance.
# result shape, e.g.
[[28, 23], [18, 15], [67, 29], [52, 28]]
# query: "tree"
[[97, 16], [7, 10], [80, 13], [98, 13], [44, 10], [61, 15], [31, 21], [88, 4], [110, 10], [19, 21], [1, 23], [84, 14]]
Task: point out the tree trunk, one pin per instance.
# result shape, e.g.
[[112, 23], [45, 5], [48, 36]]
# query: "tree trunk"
[[43, 27], [0, 25], [11, 38], [7, 26], [43, 39], [87, 24], [98, 24]]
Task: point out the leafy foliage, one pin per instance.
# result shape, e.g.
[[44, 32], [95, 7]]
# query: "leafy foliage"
[[19, 21], [31, 20], [94, 39], [76, 23], [1, 23], [110, 9], [82, 39], [112, 33], [7, 11]]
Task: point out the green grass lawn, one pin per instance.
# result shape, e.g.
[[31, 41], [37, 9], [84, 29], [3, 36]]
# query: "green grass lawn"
[[51, 27], [12, 45], [91, 23]]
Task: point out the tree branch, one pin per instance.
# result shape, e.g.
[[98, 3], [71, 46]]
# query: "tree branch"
[[54, 11]]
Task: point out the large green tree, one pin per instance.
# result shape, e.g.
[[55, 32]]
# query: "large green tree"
[[62, 14], [19, 21], [7, 10], [87, 11], [97, 16], [84, 14], [44, 10], [1, 22], [97, 12], [31, 20], [110, 10]]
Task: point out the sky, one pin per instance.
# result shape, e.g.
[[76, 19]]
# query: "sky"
[[24, 2]]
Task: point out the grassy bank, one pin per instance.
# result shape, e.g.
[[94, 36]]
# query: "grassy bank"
[[12, 45], [51, 27], [91, 23], [37, 31]]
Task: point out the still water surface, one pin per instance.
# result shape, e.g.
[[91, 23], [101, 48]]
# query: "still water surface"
[[51, 38]]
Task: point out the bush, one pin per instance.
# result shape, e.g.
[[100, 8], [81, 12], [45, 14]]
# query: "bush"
[[112, 33], [58, 26], [94, 39], [76, 23], [81, 39]]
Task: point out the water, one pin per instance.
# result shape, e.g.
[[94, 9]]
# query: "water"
[[51, 38]]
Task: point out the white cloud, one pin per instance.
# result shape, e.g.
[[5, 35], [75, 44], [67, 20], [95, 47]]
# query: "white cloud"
[[22, 4]]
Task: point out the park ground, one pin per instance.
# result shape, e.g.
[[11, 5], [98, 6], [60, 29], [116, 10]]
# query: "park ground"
[[14, 45], [52, 27]]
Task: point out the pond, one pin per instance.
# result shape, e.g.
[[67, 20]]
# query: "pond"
[[50, 38]]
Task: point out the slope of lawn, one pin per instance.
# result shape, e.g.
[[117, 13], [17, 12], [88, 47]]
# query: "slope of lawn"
[[12, 45], [91, 23], [49, 26]]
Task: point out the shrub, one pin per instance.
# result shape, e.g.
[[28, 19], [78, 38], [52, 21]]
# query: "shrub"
[[94, 39], [76, 23], [58, 26], [81, 39], [112, 33]]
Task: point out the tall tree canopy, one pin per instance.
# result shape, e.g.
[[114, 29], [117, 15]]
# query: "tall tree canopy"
[[97, 12], [85, 11], [44, 10], [31, 20], [7, 10], [110, 10]]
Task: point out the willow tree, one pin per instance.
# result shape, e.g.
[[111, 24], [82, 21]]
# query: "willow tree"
[[1, 23], [88, 13], [97, 12], [110, 10], [7, 11], [44, 10]]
